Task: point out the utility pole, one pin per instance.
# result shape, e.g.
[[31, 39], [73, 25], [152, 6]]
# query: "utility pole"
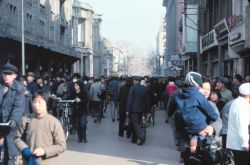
[[23, 46], [198, 56]]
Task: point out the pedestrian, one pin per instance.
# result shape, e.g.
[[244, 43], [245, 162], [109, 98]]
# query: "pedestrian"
[[80, 112], [31, 86], [123, 97], [137, 106], [238, 123], [226, 94], [114, 85], [12, 105], [40, 137], [193, 114], [96, 102]]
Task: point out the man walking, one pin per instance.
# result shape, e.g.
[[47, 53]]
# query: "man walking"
[[137, 105], [11, 109]]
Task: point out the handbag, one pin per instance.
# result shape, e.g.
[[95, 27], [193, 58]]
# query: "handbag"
[[211, 150], [101, 94]]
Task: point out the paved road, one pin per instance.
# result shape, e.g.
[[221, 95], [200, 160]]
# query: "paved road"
[[107, 148]]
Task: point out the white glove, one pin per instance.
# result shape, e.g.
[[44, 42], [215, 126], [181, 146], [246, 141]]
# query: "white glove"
[[78, 100]]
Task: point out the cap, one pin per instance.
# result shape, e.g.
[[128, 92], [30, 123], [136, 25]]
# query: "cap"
[[9, 68], [223, 80], [193, 79], [244, 89], [137, 78], [31, 74]]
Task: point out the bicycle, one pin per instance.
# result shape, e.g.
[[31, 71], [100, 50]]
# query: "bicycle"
[[65, 117]]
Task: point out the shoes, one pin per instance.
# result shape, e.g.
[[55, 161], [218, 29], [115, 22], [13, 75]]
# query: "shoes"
[[133, 141], [121, 135], [166, 121], [85, 140], [79, 140], [113, 120], [140, 141]]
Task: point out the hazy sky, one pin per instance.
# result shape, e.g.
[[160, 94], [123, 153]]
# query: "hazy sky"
[[134, 22]]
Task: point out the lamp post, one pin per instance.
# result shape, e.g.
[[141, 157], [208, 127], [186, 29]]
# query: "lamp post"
[[23, 48]]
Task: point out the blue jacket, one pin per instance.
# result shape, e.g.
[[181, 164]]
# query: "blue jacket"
[[137, 99], [13, 102], [194, 110], [114, 85]]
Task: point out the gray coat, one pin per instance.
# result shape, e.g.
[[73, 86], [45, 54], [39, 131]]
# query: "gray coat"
[[12, 106]]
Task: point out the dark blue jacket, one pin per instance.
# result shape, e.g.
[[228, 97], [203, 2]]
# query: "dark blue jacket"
[[32, 87], [194, 110], [137, 99], [114, 85], [13, 102]]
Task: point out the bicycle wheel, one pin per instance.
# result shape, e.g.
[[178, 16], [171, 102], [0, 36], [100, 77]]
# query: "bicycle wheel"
[[65, 124]]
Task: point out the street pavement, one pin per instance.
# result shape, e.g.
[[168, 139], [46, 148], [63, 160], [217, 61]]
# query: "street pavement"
[[106, 147]]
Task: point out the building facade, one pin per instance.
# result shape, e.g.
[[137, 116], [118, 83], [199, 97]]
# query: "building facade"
[[174, 45], [97, 39], [83, 19], [189, 29], [47, 35]]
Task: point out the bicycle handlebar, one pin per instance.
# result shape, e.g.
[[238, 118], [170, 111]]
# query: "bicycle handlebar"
[[5, 124], [63, 101]]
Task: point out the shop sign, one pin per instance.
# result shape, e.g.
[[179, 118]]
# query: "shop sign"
[[221, 28], [235, 36]]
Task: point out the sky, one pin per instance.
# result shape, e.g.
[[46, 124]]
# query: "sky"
[[133, 23]]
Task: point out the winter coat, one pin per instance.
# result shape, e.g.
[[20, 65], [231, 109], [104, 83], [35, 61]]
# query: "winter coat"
[[123, 97], [13, 106], [32, 87], [114, 85], [45, 132], [80, 108], [138, 100], [194, 110]]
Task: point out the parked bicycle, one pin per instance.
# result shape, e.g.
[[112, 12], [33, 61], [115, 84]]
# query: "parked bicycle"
[[64, 116], [3, 126]]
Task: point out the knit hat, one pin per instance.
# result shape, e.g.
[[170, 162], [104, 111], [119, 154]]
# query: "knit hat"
[[193, 79], [244, 89]]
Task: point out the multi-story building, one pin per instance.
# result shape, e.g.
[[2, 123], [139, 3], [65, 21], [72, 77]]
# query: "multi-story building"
[[223, 36], [174, 10], [107, 57], [160, 48], [189, 29], [83, 18], [47, 35]]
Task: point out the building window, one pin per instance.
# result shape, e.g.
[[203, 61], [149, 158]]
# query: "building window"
[[12, 9], [41, 28], [28, 22], [42, 9], [29, 3], [52, 34], [62, 35]]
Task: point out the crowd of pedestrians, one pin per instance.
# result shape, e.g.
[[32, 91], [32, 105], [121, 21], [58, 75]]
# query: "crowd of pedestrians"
[[199, 109]]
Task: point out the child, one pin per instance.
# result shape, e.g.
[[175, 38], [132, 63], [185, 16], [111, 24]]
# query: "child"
[[40, 137]]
